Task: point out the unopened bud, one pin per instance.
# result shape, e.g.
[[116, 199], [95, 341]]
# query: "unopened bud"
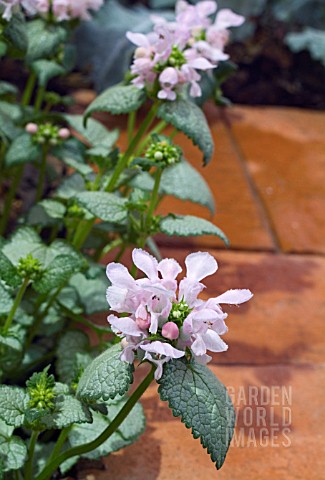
[[31, 128], [64, 133], [140, 52], [170, 331]]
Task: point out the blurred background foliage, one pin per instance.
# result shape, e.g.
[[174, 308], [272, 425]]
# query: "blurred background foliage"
[[279, 51]]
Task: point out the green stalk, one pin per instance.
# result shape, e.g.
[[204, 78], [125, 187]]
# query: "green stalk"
[[42, 174], [159, 128], [39, 98], [131, 125], [123, 161], [10, 197], [59, 443], [2, 153], [52, 465], [103, 251], [154, 197], [16, 304], [29, 465], [27, 95], [82, 233], [75, 317]]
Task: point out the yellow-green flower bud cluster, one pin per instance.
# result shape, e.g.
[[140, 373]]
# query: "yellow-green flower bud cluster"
[[40, 388], [29, 267], [164, 153]]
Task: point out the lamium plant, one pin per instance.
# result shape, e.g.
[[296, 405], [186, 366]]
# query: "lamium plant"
[[62, 396]]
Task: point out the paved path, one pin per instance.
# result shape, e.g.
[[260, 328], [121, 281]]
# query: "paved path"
[[268, 178]]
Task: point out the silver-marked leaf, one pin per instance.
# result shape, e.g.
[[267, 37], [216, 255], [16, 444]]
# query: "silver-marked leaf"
[[8, 272], [117, 100], [106, 377], [195, 394], [43, 39], [67, 411], [94, 132], [106, 206], [6, 301], [14, 452], [70, 345], [46, 69], [189, 119], [188, 225], [70, 186], [57, 273], [127, 433], [22, 150], [13, 404]]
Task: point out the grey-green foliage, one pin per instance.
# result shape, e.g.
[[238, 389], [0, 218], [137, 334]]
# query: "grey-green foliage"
[[195, 394], [13, 450], [13, 404], [187, 117], [127, 433], [117, 100], [6, 301], [106, 377], [46, 212], [11, 346], [73, 354], [15, 32], [46, 69], [188, 225], [106, 206], [7, 88], [43, 39], [90, 287], [182, 181], [22, 150], [308, 39], [8, 272], [94, 132]]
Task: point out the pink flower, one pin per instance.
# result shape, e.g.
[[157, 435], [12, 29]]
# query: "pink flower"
[[64, 133], [31, 128], [164, 317]]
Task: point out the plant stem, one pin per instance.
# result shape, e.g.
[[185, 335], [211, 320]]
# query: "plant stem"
[[131, 125], [42, 173], [29, 89], [154, 197], [31, 449], [39, 98], [159, 128], [82, 233], [123, 161], [52, 465], [10, 197], [75, 317], [115, 243], [16, 304], [59, 443]]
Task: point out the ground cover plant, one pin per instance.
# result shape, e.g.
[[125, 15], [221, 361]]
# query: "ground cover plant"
[[63, 397]]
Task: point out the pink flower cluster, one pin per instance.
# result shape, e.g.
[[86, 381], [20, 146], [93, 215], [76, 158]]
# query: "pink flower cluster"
[[61, 9], [170, 57], [165, 319]]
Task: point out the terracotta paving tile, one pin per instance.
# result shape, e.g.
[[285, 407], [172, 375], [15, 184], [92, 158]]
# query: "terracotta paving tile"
[[284, 321], [285, 153], [261, 447], [236, 211]]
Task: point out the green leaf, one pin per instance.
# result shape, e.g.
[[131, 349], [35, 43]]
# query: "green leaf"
[[13, 404], [70, 186], [188, 225], [46, 69], [15, 32], [12, 110], [91, 291], [7, 88], [106, 206], [11, 348], [43, 39], [14, 452], [46, 212], [67, 364], [22, 150], [8, 272], [67, 411], [57, 273], [131, 428], [117, 100], [189, 119], [8, 130], [6, 302], [3, 49], [94, 133], [199, 398], [106, 377]]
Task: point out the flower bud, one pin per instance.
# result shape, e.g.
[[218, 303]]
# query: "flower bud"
[[170, 331], [64, 133], [31, 128], [140, 52]]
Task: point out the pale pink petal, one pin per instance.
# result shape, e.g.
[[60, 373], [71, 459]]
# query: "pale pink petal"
[[203, 359], [161, 348], [146, 263], [138, 39], [198, 346], [119, 275], [169, 268], [234, 297], [169, 76], [195, 90], [213, 342], [200, 265], [201, 63], [125, 325], [227, 18], [206, 8], [189, 290], [116, 298]]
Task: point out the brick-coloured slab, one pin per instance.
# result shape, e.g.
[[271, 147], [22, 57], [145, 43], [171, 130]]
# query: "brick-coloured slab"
[[167, 450], [284, 321], [237, 213], [285, 152]]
